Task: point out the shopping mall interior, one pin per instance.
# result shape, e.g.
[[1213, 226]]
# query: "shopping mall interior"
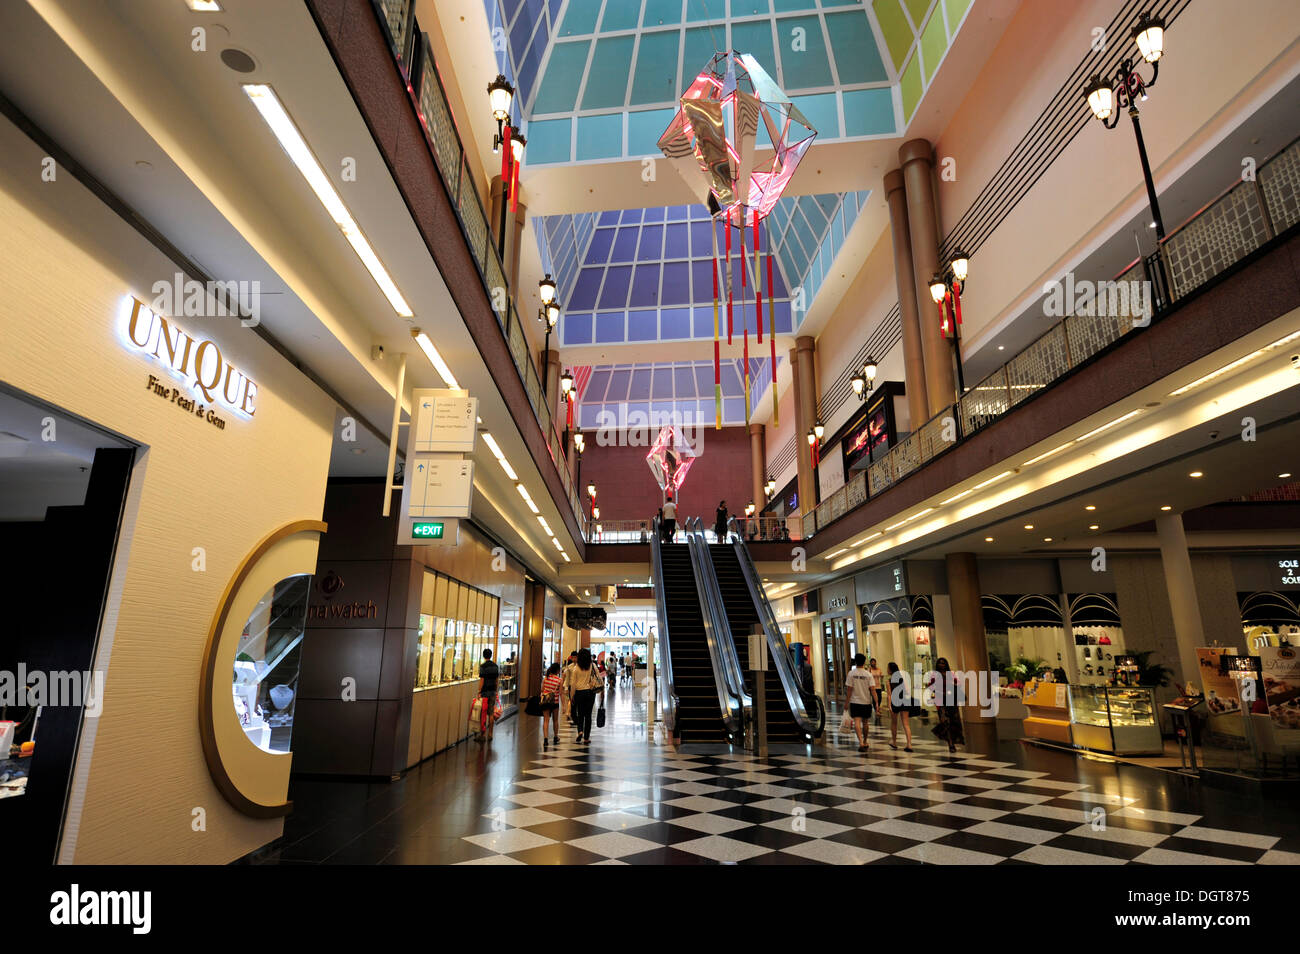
[[650, 432]]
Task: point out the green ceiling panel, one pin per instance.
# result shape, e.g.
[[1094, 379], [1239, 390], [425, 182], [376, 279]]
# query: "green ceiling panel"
[[549, 140], [856, 56], [917, 9], [868, 112], [644, 129], [956, 10], [559, 90], [795, 6], [698, 11], [933, 43], [600, 137], [608, 75], [661, 13], [580, 18], [911, 88], [750, 8], [620, 15], [897, 31], [756, 39], [821, 112], [655, 79], [804, 62]]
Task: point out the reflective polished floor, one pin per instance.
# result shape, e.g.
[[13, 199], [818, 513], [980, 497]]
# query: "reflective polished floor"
[[630, 799]]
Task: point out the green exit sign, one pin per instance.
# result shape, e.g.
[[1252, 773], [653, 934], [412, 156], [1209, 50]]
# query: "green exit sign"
[[427, 530]]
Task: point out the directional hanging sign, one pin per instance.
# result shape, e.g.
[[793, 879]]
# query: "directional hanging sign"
[[445, 421], [438, 481]]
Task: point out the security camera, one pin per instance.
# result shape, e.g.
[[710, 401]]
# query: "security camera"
[[1295, 361], [377, 353]]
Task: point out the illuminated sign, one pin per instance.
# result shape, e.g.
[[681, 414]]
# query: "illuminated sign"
[[198, 362], [427, 529]]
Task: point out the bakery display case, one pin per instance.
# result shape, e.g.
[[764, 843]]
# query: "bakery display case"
[[1120, 720]]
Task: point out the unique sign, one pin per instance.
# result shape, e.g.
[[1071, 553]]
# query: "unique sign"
[[427, 529], [446, 422], [196, 362], [1289, 571]]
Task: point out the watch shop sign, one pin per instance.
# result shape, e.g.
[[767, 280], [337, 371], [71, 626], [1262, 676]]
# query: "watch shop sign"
[[202, 378]]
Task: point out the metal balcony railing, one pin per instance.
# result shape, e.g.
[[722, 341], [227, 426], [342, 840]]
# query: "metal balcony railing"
[[413, 57], [1227, 229]]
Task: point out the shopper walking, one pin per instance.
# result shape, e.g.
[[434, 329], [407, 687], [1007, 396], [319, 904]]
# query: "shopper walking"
[[859, 697], [564, 678], [670, 519], [900, 708], [720, 522], [879, 677], [584, 683], [947, 702], [488, 674], [550, 703]]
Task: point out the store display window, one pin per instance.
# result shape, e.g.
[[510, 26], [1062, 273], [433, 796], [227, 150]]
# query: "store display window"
[[265, 681], [456, 623]]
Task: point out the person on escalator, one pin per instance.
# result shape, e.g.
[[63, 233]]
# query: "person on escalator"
[[720, 522], [670, 519]]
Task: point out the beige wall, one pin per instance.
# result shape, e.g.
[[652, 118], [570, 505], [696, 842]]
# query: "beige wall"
[[66, 265]]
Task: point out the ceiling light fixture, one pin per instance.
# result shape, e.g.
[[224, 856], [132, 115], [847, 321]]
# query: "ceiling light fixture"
[[988, 539], [273, 112], [203, 6], [1196, 473], [1233, 365], [1166, 507], [1029, 526], [523, 492], [1094, 527], [435, 358], [1108, 425], [545, 526], [1284, 476], [1090, 507], [491, 442], [1044, 455]]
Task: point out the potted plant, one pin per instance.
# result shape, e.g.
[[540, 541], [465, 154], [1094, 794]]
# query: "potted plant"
[[1023, 670]]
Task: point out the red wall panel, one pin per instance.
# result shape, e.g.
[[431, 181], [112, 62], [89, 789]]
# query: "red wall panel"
[[626, 490]]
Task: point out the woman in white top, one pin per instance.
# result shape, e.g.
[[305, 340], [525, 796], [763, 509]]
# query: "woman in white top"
[[859, 695], [670, 520]]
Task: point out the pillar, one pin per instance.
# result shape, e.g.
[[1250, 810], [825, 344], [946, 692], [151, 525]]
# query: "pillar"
[[918, 402], [514, 232], [805, 415], [757, 466], [923, 225], [1189, 632], [972, 648]]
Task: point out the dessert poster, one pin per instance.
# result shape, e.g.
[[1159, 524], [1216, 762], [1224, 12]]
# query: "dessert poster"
[[1220, 688], [1281, 665]]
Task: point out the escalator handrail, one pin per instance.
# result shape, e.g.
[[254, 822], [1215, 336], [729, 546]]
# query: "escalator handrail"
[[666, 688], [776, 647], [731, 706], [733, 671]]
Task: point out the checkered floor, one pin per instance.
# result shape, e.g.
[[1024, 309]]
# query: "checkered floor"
[[628, 801]]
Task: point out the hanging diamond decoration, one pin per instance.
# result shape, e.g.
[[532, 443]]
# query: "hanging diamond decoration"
[[670, 458]]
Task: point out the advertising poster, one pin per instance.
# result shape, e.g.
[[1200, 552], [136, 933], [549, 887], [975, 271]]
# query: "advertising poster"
[[1281, 665], [1219, 687]]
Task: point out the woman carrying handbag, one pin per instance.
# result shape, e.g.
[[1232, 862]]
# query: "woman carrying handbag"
[[584, 683], [947, 703]]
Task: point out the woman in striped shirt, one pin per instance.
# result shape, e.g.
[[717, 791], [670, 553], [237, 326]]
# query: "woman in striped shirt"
[[550, 701]]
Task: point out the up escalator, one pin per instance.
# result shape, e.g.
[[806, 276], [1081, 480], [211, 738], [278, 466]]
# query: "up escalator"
[[742, 615], [698, 716]]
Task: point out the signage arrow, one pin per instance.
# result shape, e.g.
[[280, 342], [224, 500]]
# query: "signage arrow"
[[420, 468]]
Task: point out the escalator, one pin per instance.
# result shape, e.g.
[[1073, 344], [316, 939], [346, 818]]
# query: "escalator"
[[742, 615], [697, 703]]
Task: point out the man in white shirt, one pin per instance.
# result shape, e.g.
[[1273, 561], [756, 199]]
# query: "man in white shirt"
[[859, 694], [670, 520]]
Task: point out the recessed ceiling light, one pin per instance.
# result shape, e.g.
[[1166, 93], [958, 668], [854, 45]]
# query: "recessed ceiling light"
[[1094, 527], [1090, 507], [1047, 539], [1284, 476], [358, 450], [1196, 473], [1166, 507], [1002, 347], [1029, 526], [988, 539], [203, 6]]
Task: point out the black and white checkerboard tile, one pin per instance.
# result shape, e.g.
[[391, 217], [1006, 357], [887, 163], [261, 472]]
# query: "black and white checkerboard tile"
[[627, 803]]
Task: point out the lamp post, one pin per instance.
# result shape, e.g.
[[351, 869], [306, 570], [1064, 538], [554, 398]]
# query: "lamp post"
[[946, 288], [500, 97], [814, 442], [549, 314], [1127, 89], [579, 445], [865, 380]]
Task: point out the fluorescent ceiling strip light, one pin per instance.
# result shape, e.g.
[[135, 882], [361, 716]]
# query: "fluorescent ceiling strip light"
[[831, 556], [435, 358], [545, 526], [273, 112], [955, 497], [566, 557], [1045, 455], [1005, 473], [557, 544], [491, 442], [523, 492], [1234, 365], [1107, 426], [203, 6]]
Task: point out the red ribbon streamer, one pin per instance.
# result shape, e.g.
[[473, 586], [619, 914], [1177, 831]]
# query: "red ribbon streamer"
[[758, 285], [726, 224]]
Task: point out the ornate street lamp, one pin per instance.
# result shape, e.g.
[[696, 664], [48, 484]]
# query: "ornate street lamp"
[[946, 288], [1126, 89], [500, 95], [865, 380]]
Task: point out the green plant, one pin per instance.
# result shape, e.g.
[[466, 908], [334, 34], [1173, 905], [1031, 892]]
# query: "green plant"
[[1024, 669], [1149, 673]]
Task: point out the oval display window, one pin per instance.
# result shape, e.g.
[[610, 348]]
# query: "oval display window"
[[267, 664]]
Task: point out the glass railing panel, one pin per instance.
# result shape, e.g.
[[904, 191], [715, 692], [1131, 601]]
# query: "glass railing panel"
[[496, 286], [935, 436], [397, 16], [856, 492], [1279, 180], [1087, 336], [1219, 237], [1037, 366], [880, 475], [986, 401], [518, 346], [438, 123], [809, 525]]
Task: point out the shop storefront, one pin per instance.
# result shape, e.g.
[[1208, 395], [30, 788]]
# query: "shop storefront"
[[169, 416], [838, 638]]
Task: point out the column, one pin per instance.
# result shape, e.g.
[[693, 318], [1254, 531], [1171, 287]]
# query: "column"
[[1183, 602], [918, 402], [972, 649], [805, 415], [923, 225], [757, 466], [514, 230]]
